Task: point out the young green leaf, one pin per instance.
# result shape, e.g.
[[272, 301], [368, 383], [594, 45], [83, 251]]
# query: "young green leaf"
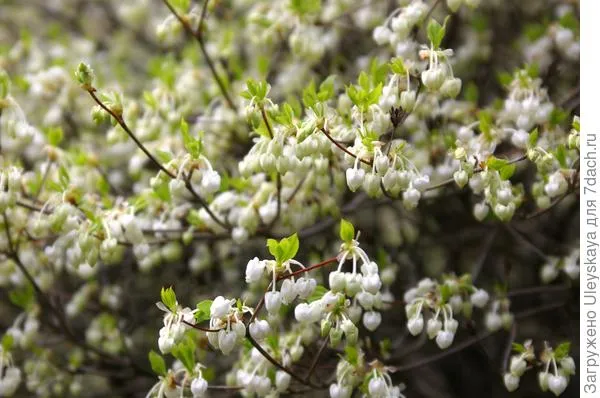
[[562, 350], [346, 230], [168, 297], [203, 313], [157, 363], [533, 137], [436, 32]]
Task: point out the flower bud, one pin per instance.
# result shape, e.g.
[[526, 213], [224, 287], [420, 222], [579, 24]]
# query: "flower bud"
[[444, 339], [511, 382], [282, 380], [557, 384], [461, 178], [227, 341], [335, 336], [415, 325], [568, 365], [371, 320], [451, 87], [273, 302], [454, 5], [517, 366], [408, 99], [198, 387], [480, 211], [543, 381], [85, 75], [433, 327], [337, 281], [480, 298]]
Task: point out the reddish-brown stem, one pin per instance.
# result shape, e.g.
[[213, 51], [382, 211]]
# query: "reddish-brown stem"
[[265, 118], [303, 270], [198, 327], [119, 119], [343, 148], [313, 365]]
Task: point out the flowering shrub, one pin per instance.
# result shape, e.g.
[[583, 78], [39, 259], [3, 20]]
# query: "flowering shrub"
[[308, 190]]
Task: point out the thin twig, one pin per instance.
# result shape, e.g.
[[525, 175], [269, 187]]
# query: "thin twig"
[[278, 365], [197, 34], [343, 148], [303, 270], [315, 360], [119, 119]]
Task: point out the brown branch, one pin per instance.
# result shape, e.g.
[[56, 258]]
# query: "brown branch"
[[278, 365], [198, 36], [119, 119], [315, 360], [469, 342], [312, 267], [343, 148]]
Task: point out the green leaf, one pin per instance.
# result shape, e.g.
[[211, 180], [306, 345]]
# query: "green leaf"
[[290, 246], [55, 135], [505, 78], [157, 363], [520, 348], [192, 145], [326, 89], [22, 297], [485, 122], [558, 116], [162, 191], [576, 124], [272, 341], [181, 5], [533, 137], [309, 95], [397, 66], [203, 313], [164, 156], [351, 354], [285, 116], [303, 7], [378, 72], [507, 171], [561, 155], [562, 350], [446, 293], [275, 249], [63, 177], [363, 81], [493, 163], [436, 32], [7, 342], [534, 31], [256, 90], [168, 297], [569, 21], [471, 92], [346, 230], [184, 351], [319, 292]]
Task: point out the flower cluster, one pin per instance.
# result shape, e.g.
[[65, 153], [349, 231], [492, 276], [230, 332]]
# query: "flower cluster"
[[557, 367], [569, 265], [441, 301], [10, 375], [164, 144]]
